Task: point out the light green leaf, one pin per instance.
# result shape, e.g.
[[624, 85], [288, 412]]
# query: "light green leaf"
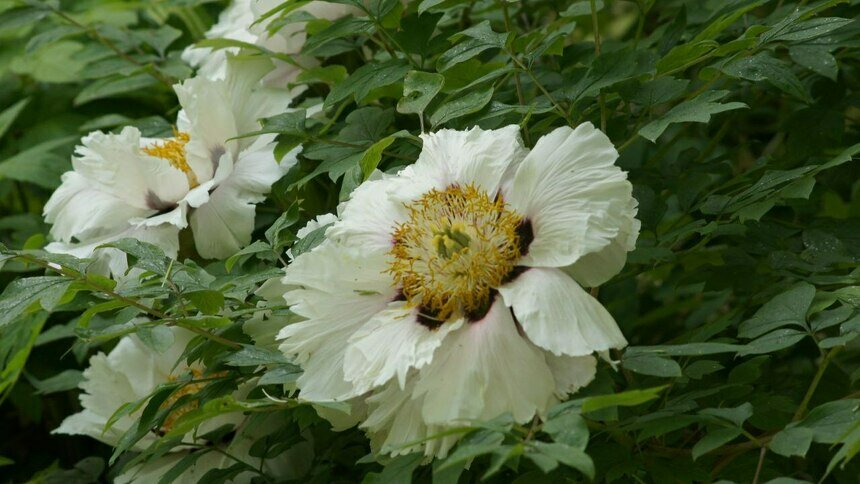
[[623, 399], [419, 88], [8, 115]]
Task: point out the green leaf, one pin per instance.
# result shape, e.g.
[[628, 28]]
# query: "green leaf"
[[205, 322], [459, 106], [309, 241], [786, 309], [774, 341], [61, 382], [207, 301], [792, 441], [477, 443], [568, 428], [623, 399], [114, 86], [367, 78], [764, 67], [479, 38], [399, 470], [284, 374], [38, 164], [816, 58], [714, 440], [419, 88], [608, 69], [696, 110], [581, 8], [321, 42], [737, 415], [24, 295], [371, 158], [567, 455], [793, 31], [145, 256], [158, 338], [8, 115], [255, 356], [651, 365]]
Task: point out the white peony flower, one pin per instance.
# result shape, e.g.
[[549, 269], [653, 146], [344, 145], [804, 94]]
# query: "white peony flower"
[[123, 185], [132, 371], [452, 292], [243, 21]]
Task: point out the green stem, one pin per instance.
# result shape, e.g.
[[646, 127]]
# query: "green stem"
[[600, 98], [828, 357]]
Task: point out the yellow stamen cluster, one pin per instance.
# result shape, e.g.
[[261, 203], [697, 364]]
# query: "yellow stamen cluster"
[[173, 150], [456, 246], [189, 405]]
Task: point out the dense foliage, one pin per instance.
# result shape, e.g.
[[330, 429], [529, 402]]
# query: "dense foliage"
[[736, 120]]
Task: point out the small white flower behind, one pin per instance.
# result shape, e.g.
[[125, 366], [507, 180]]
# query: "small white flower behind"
[[124, 185], [452, 291]]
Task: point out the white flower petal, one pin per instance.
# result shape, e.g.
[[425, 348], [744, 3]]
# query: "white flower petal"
[[395, 420], [558, 315], [475, 157], [571, 372], [337, 290], [113, 261], [595, 268], [115, 164], [390, 344], [483, 370], [374, 210], [576, 198], [79, 210]]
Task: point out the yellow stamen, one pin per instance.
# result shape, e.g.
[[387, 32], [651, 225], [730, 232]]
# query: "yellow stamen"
[[455, 248], [173, 150]]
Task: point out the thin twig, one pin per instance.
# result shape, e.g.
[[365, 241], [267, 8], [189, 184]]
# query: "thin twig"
[[600, 98]]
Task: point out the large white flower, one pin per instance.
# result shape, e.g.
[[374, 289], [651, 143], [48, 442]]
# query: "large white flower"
[[452, 292], [132, 371], [243, 21], [123, 185]]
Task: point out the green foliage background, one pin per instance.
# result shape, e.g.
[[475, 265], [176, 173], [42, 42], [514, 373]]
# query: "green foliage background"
[[737, 121]]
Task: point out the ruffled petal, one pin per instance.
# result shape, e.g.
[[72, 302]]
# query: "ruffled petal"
[[571, 373], [595, 268], [475, 157], [558, 315], [78, 209], [390, 344], [115, 164], [336, 290], [485, 369], [576, 198], [371, 215]]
